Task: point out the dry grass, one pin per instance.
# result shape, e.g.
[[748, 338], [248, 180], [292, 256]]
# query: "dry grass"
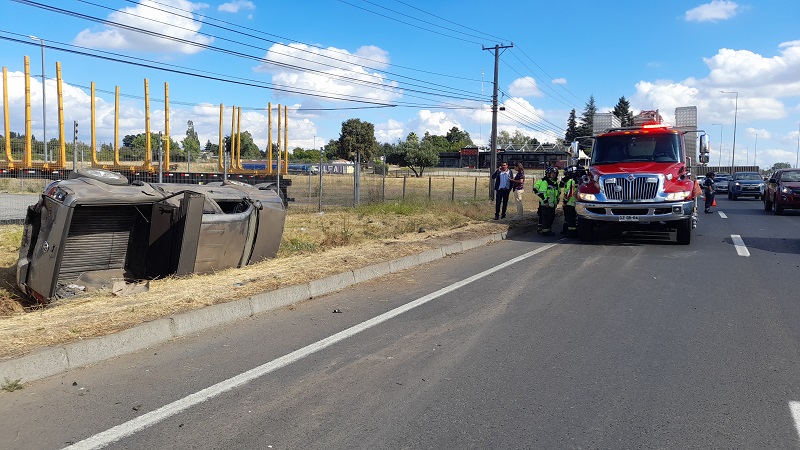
[[314, 246]]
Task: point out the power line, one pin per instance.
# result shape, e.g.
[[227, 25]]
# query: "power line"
[[291, 40], [380, 86]]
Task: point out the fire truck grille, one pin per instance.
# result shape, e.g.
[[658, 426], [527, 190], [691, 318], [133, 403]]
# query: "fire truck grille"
[[629, 188]]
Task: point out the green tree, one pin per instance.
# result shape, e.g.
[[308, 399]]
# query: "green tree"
[[248, 149], [191, 143], [357, 137], [211, 148], [586, 127], [781, 165], [331, 149], [415, 154], [572, 128], [458, 139], [439, 143], [623, 111]]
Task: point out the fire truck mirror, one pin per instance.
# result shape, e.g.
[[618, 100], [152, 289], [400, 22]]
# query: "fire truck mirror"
[[703, 143]]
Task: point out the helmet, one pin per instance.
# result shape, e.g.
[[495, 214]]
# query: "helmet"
[[580, 171], [551, 169]]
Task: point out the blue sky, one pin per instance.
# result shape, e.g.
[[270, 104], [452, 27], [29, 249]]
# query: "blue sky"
[[407, 65]]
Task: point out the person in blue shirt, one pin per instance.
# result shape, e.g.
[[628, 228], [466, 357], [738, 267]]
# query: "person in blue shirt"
[[502, 187]]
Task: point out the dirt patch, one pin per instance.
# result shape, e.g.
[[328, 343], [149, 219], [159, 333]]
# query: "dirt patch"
[[314, 246]]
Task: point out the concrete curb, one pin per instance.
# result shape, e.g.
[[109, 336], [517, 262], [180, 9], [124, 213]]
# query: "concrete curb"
[[51, 361]]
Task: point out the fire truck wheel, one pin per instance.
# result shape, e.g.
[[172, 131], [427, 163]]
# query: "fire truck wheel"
[[684, 236], [585, 229]]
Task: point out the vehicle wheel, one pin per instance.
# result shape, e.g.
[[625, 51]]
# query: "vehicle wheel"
[[778, 209], [767, 204], [585, 229], [684, 236], [106, 176]]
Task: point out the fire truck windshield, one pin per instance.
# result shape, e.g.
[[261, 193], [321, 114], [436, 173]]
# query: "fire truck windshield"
[[611, 149]]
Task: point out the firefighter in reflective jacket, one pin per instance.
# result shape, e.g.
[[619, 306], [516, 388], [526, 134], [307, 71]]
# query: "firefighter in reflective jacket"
[[548, 191], [570, 186]]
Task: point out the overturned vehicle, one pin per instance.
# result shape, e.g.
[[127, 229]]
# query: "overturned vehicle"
[[95, 226]]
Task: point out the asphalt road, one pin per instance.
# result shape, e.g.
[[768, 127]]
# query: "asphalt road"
[[528, 343]]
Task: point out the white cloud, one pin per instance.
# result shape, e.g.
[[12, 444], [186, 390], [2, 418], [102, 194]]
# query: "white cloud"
[[560, 81], [236, 6], [760, 132], [390, 132], [714, 11], [524, 87], [152, 16], [331, 71]]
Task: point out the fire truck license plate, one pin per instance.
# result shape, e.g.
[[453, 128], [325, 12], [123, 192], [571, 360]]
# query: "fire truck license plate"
[[628, 218]]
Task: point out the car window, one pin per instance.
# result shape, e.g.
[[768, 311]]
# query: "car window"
[[748, 176], [790, 176]]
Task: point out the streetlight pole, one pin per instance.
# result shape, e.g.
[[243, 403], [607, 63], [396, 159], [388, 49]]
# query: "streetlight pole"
[[735, 113], [719, 165], [44, 101], [755, 150]]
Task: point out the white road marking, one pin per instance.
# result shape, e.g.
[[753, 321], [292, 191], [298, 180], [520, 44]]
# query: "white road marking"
[[132, 426], [794, 407], [722, 214], [741, 249]]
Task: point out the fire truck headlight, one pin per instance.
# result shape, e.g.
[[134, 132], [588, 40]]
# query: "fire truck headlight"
[[587, 197], [677, 196]]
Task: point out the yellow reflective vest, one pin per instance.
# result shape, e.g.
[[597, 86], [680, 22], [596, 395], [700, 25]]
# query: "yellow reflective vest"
[[548, 191]]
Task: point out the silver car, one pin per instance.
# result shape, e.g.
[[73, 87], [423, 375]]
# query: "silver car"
[[95, 228], [721, 183]]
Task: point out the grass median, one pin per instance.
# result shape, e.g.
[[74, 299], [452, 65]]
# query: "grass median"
[[313, 246]]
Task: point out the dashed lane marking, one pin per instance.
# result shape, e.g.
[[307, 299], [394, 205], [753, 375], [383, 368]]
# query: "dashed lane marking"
[[741, 249], [722, 214]]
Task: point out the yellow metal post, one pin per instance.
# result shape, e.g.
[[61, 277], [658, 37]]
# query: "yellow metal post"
[[269, 138], [286, 139], [9, 158], [233, 137], [62, 142], [280, 152], [116, 127], [166, 127], [93, 145], [239, 137], [221, 150], [27, 158], [148, 153]]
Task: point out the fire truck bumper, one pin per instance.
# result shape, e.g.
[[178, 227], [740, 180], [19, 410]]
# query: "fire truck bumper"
[[635, 212]]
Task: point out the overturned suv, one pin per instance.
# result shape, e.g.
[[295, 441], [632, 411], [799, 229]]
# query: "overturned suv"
[[95, 226]]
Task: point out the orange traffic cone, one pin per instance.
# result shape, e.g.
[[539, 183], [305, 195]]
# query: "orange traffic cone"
[[714, 202]]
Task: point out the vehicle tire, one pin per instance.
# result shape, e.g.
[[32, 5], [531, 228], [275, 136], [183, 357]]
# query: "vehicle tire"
[[767, 204], [585, 229], [684, 236], [106, 176], [778, 209]]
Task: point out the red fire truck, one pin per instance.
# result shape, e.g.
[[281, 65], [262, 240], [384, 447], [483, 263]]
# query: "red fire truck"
[[638, 179]]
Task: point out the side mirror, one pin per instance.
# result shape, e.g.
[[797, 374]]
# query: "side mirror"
[[703, 143], [704, 158]]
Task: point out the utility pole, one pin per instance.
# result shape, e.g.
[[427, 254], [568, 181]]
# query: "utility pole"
[[493, 164]]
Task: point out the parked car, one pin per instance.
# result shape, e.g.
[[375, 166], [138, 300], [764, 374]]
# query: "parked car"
[[782, 191], [95, 228], [721, 183], [744, 184]]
